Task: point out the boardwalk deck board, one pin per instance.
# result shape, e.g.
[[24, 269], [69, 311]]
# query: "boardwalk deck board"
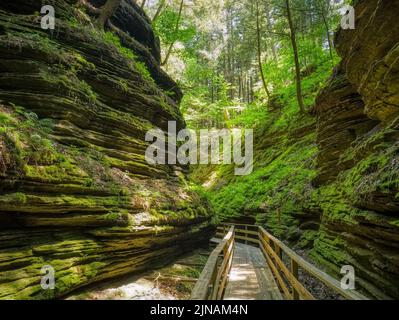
[[250, 278]]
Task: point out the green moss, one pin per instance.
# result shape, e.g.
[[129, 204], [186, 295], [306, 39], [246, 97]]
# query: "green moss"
[[19, 197], [280, 184], [41, 42], [140, 67], [307, 239], [120, 217], [61, 192], [66, 80], [6, 119], [64, 203], [329, 251], [377, 172]]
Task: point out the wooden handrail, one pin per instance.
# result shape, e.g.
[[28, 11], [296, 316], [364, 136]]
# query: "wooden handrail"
[[297, 261], [213, 278], [287, 277], [238, 224]]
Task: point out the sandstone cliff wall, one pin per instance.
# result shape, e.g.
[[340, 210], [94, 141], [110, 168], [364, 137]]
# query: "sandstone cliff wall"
[[75, 190], [358, 138]]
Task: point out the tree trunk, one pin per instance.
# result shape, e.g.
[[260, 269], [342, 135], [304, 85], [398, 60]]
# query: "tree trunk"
[[248, 90], [269, 27], [252, 88], [159, 10], [260, 50], [330, 45], [230, 53], [176, 30], [296, 58], [239, 87]]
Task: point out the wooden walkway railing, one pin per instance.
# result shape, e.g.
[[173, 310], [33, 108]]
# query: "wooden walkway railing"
[[212, 281], [283, 262]]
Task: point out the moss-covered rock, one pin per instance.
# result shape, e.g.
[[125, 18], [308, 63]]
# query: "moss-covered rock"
[[358, 136], [75, 190]]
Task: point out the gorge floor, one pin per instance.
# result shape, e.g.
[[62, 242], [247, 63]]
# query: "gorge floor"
[[172, 282]]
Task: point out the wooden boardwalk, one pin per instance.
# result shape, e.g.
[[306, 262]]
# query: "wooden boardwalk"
[[263, 268], [250, 277]]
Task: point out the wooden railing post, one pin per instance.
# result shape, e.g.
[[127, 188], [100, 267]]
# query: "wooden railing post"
[[294, 271], [213, 285], [278, 250]]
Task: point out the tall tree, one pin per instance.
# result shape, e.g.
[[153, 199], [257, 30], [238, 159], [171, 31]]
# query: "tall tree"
[[159, 10], [296, 56], [258, 36], [168, 53], [324, 8], [268, 28]]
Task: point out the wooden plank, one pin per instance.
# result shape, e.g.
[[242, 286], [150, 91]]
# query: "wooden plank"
[[250, 277], [265, 294], [214, 281], [247, 239], [270, 289], [226, 274], [255, 233], [237, 225]]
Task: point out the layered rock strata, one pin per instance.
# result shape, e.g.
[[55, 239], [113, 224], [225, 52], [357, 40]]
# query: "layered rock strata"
[[76, 192], [358, 138]]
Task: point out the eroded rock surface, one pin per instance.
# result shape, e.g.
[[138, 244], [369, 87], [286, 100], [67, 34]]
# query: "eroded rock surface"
[[358, 138], [76, 192]]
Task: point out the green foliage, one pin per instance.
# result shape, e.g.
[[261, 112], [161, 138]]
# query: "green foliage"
[[5, 119], [165, 28], [198, 109], [281, 183]]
